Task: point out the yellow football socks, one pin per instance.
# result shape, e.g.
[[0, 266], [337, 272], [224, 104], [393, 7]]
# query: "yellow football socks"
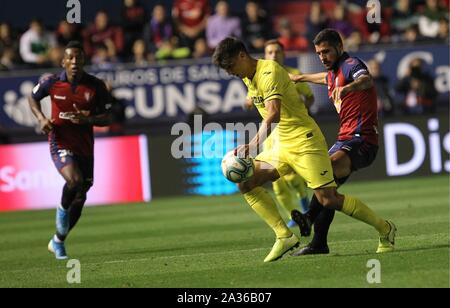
[[284, 195], [296, 182], [263, 204], [357, 209]]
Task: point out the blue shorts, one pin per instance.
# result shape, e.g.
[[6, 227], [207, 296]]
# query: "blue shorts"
[[62, 158], [361, 153]]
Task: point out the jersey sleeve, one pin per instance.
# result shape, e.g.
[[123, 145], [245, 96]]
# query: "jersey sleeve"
[[271, 82], [354, 68], [42, 89]]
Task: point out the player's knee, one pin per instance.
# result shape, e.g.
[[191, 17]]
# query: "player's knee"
[[75, 183], [87, 186], [329, 200], [340, 167]]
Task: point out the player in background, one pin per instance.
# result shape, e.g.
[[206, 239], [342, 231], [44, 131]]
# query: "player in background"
[[292, 187], [351, 89], [79, 101], [298, 146]]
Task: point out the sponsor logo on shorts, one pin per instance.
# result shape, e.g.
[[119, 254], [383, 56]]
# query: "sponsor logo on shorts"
[[66, 115]]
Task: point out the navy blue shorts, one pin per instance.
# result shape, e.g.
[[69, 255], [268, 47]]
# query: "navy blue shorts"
[[62, 158], [361, 153]]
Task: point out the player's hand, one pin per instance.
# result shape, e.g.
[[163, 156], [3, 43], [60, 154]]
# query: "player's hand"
[[248, 105], [339, 93], [296, 78], [242, 151], [80, 116], [46, 125]]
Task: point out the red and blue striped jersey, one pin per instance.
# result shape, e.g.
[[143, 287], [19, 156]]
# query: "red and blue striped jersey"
[[357, 109], [89, 95]]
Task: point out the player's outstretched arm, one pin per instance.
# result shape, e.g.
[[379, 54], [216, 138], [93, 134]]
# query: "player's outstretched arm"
[[319, 78], [362, 83], [273, 108], [45, 125], [267, 126]]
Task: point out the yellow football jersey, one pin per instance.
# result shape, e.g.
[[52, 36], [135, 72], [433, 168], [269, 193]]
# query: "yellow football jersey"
[[303, 89], [296, 128]]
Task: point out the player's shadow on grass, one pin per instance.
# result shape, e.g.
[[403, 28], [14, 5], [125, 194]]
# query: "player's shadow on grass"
[[398, 250]]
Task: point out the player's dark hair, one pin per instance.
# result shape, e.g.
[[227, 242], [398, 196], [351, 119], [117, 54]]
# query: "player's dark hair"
[[274, 42], [74, 44], [328, 35], [226, 51]]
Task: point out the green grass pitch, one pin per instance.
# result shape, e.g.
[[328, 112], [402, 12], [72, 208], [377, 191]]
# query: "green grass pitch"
[[220, 242]]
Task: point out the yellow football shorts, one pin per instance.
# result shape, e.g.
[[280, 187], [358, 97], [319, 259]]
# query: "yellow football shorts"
[[313, 165]]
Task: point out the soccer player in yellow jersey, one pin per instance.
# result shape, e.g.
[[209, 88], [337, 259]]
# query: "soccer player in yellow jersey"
[[292, 187], [298, 145]]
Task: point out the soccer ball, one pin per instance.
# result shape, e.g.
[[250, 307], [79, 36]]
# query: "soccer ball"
[[237, 169]]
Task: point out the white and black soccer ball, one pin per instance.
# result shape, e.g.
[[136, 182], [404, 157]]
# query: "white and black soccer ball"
[[237, 169]]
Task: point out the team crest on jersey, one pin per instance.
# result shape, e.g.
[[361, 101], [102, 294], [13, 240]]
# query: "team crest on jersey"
[[258, 101]]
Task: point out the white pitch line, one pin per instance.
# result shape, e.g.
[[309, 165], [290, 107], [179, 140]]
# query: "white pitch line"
[[222, 253]]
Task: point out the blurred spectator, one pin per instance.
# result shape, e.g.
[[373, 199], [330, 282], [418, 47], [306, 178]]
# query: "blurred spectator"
[[8, 59], [429, 21], [316, 22], [102, 34], [159, 37], [9, 48], [412, 35], [159, 30], [256, 27], [375, 32], [418, 89], [7, 38], [354, 41], [141, 57], [103, 58], [403, 18], [133, 22], [289, 39], [190, 18], [339, 21], [443, 33], [55, 56], [200, 49], [35, 44], [172, 50], [67, 32], [221, 25], [381, 82]]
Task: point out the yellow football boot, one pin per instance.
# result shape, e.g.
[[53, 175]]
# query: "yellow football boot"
[[387, 242], [281, 246]]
